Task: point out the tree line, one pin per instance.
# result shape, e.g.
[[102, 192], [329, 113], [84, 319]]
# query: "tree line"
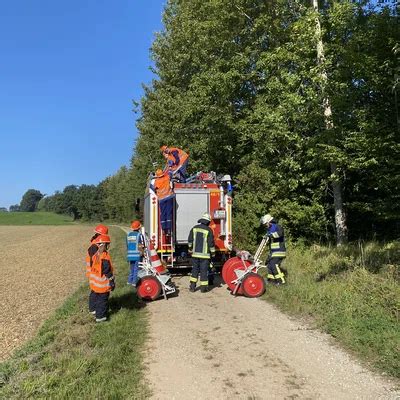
[[296, 100], [111, 199], [245, 86]]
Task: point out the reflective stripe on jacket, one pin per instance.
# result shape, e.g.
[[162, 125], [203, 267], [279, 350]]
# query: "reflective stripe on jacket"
[[277, 240], [133, 240], [98, 281], [90, 252], [201, 241], [87, 261]]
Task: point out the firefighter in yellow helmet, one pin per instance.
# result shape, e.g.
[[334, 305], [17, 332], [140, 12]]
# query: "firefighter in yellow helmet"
[[201, 248]]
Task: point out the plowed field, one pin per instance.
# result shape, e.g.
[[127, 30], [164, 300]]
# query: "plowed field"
[[40, 266]]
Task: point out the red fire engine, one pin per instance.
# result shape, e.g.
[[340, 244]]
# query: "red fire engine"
[[204, 192]]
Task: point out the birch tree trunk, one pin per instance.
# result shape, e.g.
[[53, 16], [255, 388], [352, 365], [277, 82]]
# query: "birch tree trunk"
[[340, 217]]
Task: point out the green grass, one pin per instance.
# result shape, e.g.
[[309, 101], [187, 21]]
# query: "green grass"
[[352, 293], [73, 358], [34, 218]]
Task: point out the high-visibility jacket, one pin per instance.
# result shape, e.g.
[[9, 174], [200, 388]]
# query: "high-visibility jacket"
[[100, 273], [133, 240], [277, 241], [162, 186], [91, 251], [176, 157], [201, 241]]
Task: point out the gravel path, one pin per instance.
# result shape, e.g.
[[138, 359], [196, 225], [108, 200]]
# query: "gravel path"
[[40, 266], [216, 346]]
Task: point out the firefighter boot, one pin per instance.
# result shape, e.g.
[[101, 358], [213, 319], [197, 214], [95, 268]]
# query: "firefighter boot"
[[204, 289], [192, 286]]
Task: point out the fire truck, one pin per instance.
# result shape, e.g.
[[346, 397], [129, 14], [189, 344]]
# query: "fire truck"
[[203, 192]]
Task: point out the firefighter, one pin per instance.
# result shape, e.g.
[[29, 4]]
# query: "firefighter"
[[277, 249], [201, 248], [91, 251], [101, 278], [177, 162], [161, 185], [135, 246]]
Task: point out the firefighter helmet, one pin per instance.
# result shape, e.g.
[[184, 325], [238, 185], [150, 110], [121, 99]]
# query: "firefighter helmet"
[[135, 225], [206, 216], [101, 229], [226, 178], [265, 219], [102, 239], [159, 173]]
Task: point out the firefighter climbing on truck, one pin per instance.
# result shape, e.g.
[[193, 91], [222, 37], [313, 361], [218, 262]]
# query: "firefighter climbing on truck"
[[162, 186], [176, 162], [173, 203]]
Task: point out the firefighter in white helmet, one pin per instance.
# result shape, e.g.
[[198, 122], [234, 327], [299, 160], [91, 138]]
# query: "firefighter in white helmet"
[[201, 248], [277, 248]]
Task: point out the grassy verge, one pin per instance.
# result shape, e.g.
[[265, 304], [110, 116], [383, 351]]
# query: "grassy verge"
[[73, 358], [352, 293], [34, 218]]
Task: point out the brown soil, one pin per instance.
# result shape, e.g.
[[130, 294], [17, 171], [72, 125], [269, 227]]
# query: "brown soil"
[[40, 266]]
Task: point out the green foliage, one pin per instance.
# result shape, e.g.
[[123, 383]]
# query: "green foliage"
[[239, 86], [15, 207], [30, 200], [352, 292], [34, 218], [119, 196], [72, 357]]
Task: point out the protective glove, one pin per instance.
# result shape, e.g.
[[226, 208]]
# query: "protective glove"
[[112, 284], [244, 254], [212, 268], [210, 274]]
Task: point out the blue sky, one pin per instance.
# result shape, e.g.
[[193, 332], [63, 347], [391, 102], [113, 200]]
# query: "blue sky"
[[68, 73]]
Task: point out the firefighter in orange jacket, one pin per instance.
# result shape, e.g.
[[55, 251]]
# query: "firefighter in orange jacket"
[[91, 251], [161, 185], [177, 162], [101, 278]]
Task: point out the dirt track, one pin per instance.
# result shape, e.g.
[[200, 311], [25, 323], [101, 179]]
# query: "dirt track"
[[201, 346], [215, 346], [40, 266]]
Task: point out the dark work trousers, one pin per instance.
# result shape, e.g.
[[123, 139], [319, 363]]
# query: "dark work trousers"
[[274, 272], [200, 265], [166, 213], [99, 302], [92, 301]]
